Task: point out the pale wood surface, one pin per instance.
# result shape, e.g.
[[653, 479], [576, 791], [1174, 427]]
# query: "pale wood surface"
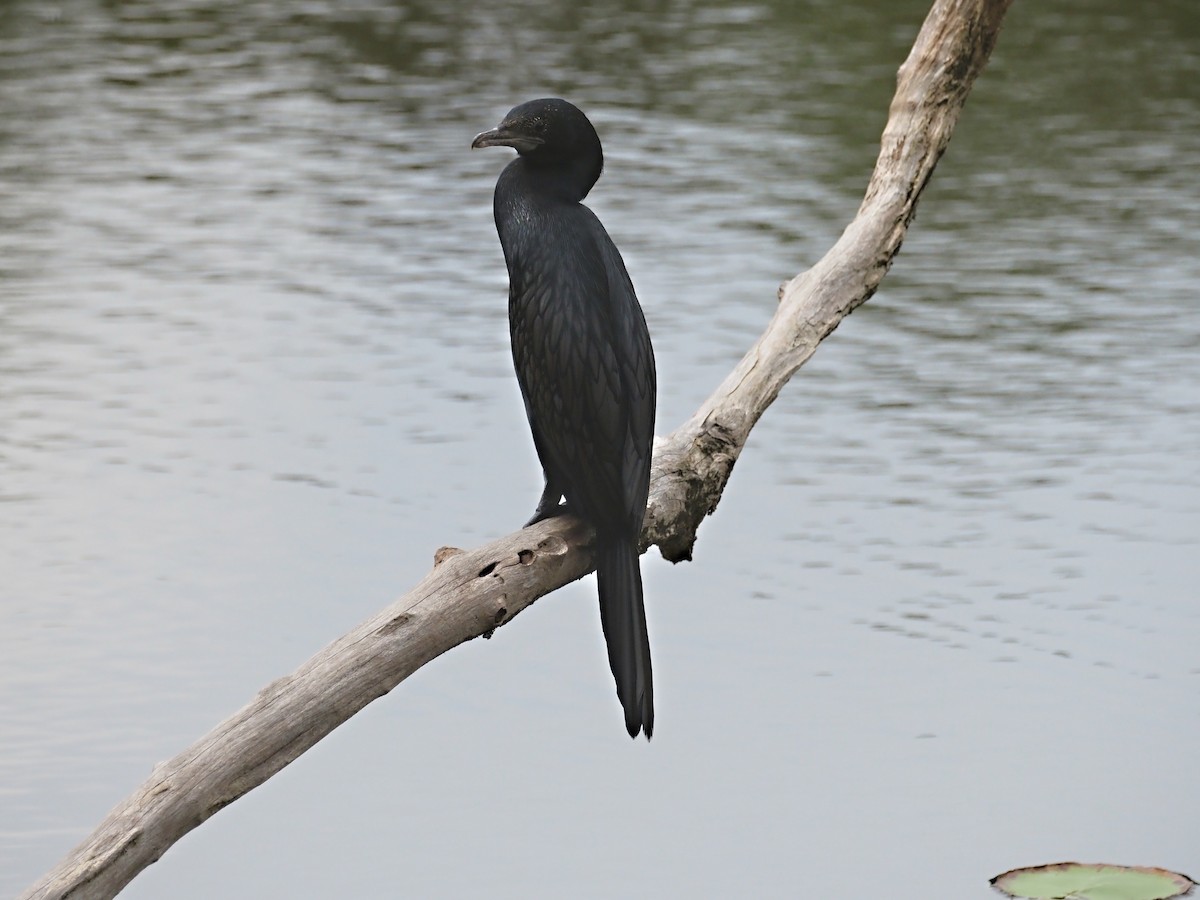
[[471, 593]]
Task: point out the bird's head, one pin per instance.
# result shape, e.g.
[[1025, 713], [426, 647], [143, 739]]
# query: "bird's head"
[[553, 136]]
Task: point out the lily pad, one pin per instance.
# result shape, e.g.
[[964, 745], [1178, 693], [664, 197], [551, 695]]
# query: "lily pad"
[[1086, 881]]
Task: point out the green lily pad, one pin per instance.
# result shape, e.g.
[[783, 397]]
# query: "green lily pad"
[[1084, 881]]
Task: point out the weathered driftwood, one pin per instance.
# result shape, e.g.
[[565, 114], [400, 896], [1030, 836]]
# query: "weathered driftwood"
[[471, 593]]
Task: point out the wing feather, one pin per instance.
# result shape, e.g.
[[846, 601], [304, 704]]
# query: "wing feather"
[[586, 369]]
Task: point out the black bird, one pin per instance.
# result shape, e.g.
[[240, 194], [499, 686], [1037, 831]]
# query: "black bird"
[[584, 363]]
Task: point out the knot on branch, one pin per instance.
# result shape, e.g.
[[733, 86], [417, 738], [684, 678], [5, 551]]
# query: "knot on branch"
[[689, 477], [551, 545], [719, 438], [394, 624]]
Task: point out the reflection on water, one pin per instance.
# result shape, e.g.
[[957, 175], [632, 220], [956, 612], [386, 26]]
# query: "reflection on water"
[[254, 368]]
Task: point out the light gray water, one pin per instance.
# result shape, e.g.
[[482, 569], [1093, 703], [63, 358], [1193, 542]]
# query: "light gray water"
[[254, 371]]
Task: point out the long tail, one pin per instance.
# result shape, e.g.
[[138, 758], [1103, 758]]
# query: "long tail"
[[623, 616]]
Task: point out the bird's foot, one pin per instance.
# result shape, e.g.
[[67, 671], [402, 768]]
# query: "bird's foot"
[[547, 511]]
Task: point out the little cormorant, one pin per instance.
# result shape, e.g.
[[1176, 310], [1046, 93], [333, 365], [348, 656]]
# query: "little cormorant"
[[584, 364]]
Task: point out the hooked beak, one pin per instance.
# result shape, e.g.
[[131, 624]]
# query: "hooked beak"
[[500, 136]]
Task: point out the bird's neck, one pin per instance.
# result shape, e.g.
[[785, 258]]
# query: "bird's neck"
[[565, 182]]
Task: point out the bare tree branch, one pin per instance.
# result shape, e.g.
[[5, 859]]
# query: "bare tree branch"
[[471, 593]]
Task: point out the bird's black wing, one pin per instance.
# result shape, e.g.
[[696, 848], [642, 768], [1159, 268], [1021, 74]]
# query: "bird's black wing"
[[585, 367], [638, 388]]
